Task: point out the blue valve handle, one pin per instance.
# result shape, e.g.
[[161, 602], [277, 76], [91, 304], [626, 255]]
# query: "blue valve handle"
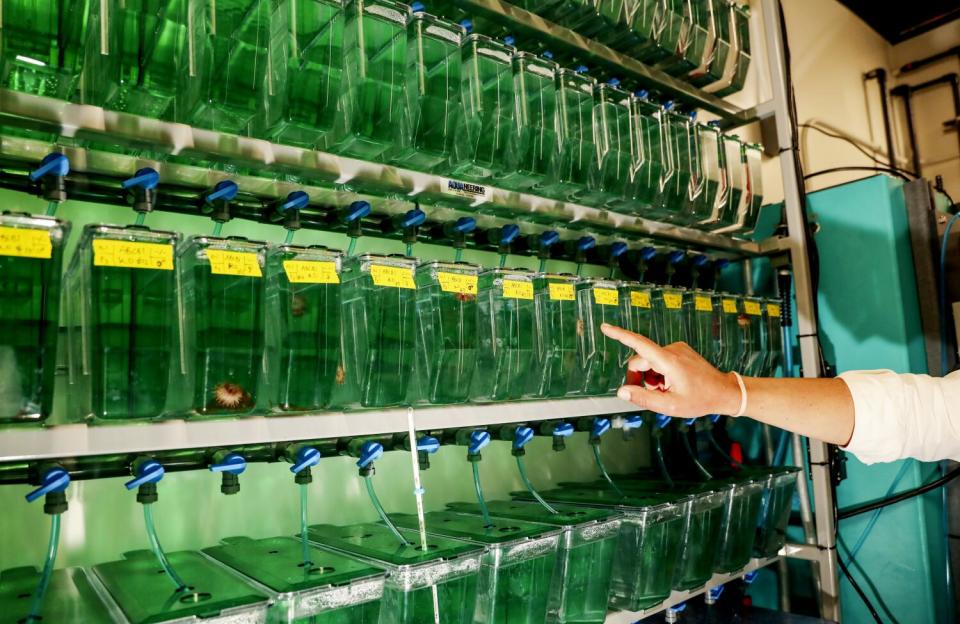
[[582, 69], [676, 256], [297, 200], [618, 249], [522, 437], [417, 7], [55, 479], [668, 105], [509, 233], [428, 444], [305, 457], [714, 124], [478, 439], [357, 210], [663, 420], [647, 253], [750, 577], [53, 164], [677, 608], [563, 430], [547, 54], [149, 471], [370, 451], [467, 25], [225, 190], [614, 82], [413, 218], [549, 238], [692, 115], [465, 225], [722, 263], [585, 243], [689, 421], [509, 40], [632, 422], [700, 260], [714, 418], [716, 592], [232, 463], [145, 178], [641, 93], [600, 427]]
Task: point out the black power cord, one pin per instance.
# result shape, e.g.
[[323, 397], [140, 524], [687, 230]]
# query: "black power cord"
[[877, 161], [897, 172], [860, 592], [900, 497]]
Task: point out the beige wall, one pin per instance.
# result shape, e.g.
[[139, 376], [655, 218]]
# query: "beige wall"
[[938, 146], [831, 51]]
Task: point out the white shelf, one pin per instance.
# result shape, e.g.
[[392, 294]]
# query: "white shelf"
[[82, 125], [79, 440], [629, 617]]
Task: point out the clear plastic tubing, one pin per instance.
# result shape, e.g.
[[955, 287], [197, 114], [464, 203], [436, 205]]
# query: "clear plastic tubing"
[[382, 513], [603, 470], [304, 544], [158, 550], [483, 504], [693, 456], [661, 462], [289, 238], [530, 488], [141, 217], [37, 602], [352, 247], [217, 228], [52, 208]]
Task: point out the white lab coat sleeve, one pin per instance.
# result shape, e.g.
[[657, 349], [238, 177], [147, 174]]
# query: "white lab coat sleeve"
[[900, 416]]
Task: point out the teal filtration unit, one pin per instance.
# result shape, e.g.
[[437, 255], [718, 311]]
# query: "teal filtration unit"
[[870, 319]]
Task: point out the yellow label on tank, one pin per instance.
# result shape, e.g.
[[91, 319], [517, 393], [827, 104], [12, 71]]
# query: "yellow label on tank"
[[752, 308], [25, 243], [561, 292], [392, 277], [311, 271], [242, 263], [672, 301], [458, 283], [516, 289], [703, 303], [773, 309], [132, 255], [730, 306], [639, 299], [606, 296]]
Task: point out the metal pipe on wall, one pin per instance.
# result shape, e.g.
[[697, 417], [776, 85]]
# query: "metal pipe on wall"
[[880, 75], [906, 92]]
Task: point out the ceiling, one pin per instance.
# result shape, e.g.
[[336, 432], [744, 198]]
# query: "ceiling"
[[896, 23]]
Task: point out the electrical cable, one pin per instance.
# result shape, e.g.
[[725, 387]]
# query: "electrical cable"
[[530, 488], [487, 520], [821, 172], [383, 514], [876, 160], [603, 471], [856, 588], [36, 603], [158, 549], [852, 553], [856, 510]]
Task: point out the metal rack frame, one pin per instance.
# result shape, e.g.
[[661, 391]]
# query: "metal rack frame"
[[81, 125]]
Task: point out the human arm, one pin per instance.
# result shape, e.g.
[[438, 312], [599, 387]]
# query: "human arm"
[[877, 415], [819, 408]]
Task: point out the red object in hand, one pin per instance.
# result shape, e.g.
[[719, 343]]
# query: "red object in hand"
[[654, 380], [736, 452], [634, 378]]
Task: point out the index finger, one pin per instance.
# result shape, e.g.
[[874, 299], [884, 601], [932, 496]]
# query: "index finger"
[[644, 347]]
